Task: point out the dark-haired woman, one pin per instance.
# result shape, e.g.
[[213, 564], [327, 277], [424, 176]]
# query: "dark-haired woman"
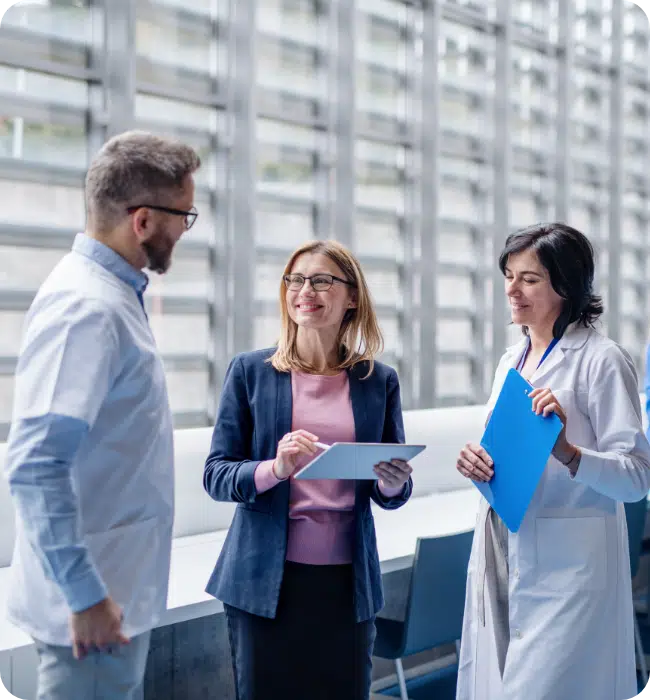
[[549, 609]]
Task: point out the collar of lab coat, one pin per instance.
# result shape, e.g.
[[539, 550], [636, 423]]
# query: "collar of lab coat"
[[574, 337]]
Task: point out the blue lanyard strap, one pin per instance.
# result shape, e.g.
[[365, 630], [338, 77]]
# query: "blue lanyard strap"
[[552, 344]]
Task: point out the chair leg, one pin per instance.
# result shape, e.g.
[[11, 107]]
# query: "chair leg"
[[401, 679], [640, 653]]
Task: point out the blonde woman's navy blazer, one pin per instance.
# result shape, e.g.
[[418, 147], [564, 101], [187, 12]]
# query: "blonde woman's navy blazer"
[[254, 413]]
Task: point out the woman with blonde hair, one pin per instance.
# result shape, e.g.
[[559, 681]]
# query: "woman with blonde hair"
[[299, 572]]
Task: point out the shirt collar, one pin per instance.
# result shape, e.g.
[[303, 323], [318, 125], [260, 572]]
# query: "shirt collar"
[[111, 261]]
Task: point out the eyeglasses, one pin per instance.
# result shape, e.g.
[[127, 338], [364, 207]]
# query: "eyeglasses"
[[190, 216], [319, 283]]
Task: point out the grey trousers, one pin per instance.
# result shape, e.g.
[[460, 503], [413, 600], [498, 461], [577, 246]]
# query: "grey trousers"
[[100, 676], [496, 551]]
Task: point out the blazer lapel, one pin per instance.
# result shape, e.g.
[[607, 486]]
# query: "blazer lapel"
[[284, 405], [359, 401]]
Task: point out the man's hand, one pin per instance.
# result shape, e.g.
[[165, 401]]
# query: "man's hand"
[[97, 627]]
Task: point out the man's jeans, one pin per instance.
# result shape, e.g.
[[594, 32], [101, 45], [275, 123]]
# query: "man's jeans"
[[99, 676]]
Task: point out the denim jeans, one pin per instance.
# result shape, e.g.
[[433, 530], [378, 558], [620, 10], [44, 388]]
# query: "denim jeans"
[[99, 676]]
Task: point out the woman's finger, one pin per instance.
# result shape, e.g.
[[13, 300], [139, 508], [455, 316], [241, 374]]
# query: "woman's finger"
[[476, 469], [304, 442], [487, 460], [478, 463], [402, 465], [305, 434]]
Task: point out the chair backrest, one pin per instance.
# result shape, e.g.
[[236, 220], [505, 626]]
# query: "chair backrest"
[[434, 614], [635, 514]]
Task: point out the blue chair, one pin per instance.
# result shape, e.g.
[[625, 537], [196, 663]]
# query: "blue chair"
[[635, 515], [435, 603]]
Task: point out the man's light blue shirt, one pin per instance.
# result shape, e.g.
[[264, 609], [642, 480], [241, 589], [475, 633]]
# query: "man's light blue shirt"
[[90, 447]]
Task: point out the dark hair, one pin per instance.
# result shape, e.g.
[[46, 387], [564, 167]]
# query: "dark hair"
[[568, 256]]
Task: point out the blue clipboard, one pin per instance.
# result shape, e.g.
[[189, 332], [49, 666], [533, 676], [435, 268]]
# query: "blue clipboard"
[[520, 443], [355, 460]]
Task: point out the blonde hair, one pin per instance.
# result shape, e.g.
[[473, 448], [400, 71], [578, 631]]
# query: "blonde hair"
[[360, 338]]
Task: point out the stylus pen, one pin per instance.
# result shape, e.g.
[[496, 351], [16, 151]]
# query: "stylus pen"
[[322, 446]]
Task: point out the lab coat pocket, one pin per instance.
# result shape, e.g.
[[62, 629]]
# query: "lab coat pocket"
[[572, 553]]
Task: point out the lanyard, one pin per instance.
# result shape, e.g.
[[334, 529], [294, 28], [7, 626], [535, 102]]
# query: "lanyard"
[[521, 363]]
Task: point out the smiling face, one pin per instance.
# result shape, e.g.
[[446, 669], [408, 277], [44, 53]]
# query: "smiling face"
[[323, 309], [533, 301]]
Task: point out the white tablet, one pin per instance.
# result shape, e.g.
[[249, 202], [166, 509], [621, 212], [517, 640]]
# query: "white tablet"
[[355, 460]]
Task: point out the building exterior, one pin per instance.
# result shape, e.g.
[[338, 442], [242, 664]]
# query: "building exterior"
[[418, 133]]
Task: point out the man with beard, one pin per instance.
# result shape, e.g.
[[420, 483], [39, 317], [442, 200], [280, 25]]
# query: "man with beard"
[[90, 453]]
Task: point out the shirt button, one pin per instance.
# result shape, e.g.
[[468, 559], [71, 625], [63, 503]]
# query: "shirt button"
[[516, 573], [517, 634]]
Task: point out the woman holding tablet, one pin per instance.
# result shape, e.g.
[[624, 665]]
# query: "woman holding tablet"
[[299, 571], [549, 609]]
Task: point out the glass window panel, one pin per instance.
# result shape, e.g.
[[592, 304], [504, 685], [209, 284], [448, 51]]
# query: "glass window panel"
[[630, 299], [40, 204], [282, 228], [188, 391], [593, 29], [289, 67], [379, 174], [537, 16], [266, 331], [636, 48], [43, 141], [379, 236], [590, 103], [39, 86], [167, 40], [632, 265], [384, 286], [630, 339], [212, 8], [6, 398], [458, 200], [454, 291], [466, 57], [297, 19], [268, 276], [454, 335], [178, 334], [381, 39], [390, 327], [11, 323], [71, 20], [187, 277], [379, 90], [286, 159], [26, 268], [635, 229], [465, 113], [454, 379], [177, 113], [456, 246]]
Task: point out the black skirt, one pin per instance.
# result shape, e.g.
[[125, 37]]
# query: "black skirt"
[[313, 649]]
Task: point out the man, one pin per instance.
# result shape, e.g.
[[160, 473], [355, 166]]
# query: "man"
[[90, 451]]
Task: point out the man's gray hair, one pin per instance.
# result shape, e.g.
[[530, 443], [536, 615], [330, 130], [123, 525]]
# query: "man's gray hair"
[[135, 168]]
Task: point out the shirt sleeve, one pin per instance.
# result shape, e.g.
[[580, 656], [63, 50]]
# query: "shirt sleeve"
[[265, 479], [619, 467], [67, 364]]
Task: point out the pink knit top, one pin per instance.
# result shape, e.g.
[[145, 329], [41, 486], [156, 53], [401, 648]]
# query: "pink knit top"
[[321, 512]]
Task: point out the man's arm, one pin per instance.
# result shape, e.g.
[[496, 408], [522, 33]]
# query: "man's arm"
[[66, 366]]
